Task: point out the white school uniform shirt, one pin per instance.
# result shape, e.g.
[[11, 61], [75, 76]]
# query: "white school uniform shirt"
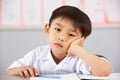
[[42, 60]]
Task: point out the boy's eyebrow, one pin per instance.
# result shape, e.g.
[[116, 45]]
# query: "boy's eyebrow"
[[60, 25]]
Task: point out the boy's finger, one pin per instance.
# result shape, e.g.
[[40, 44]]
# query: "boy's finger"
[[31, 72], [82, 39], [79, 40], [21, 74], [36, 72], [26, 73]]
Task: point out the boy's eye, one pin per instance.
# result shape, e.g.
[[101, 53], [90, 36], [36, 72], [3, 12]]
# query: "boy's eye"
[[57, 29], [71, 35]]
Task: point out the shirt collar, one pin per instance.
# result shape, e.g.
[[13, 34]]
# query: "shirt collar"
[[67, 59], [45, 55]]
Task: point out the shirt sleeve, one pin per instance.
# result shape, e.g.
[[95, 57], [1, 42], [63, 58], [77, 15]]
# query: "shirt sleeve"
[[82, 67], [27, 60], [103, 57]]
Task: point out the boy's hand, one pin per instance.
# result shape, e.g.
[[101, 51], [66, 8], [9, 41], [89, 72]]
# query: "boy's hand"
[[77, 42], [25, 71]]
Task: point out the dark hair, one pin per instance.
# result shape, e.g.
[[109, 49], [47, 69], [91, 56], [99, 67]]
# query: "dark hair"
[[79, 18]]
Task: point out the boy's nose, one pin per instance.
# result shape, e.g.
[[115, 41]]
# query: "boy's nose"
[[62, 38]]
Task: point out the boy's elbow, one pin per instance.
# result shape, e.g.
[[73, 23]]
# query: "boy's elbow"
[[107, 71], [103, 71]]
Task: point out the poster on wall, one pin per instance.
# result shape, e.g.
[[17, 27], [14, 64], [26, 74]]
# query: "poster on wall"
[[95, 11], [10, 12], [113, 11], [21, 14], [31, 12]]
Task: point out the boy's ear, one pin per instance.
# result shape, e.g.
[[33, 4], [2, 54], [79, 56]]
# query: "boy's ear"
[[46, 29]]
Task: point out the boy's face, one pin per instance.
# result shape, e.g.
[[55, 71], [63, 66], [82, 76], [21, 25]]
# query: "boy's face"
[[60, 34]]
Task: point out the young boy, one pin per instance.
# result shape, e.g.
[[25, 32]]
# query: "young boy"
[[67, 30]]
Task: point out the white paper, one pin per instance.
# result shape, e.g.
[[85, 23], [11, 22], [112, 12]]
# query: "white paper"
[[73, 76], [36, 78]]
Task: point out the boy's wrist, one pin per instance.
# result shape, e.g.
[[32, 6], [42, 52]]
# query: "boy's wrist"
[[75, 49]]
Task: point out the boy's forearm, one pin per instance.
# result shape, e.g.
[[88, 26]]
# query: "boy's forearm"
[[25, 71], [98, 66], [11, 72]]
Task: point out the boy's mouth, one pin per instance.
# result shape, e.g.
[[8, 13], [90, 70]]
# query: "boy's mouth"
[[57, 44]]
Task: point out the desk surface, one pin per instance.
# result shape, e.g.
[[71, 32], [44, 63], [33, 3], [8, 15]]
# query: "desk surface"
[[11, 78], [113, 76]]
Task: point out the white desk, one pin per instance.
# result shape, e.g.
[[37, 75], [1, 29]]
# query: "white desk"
[[113, 76], [11, 78], [72, 76]]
